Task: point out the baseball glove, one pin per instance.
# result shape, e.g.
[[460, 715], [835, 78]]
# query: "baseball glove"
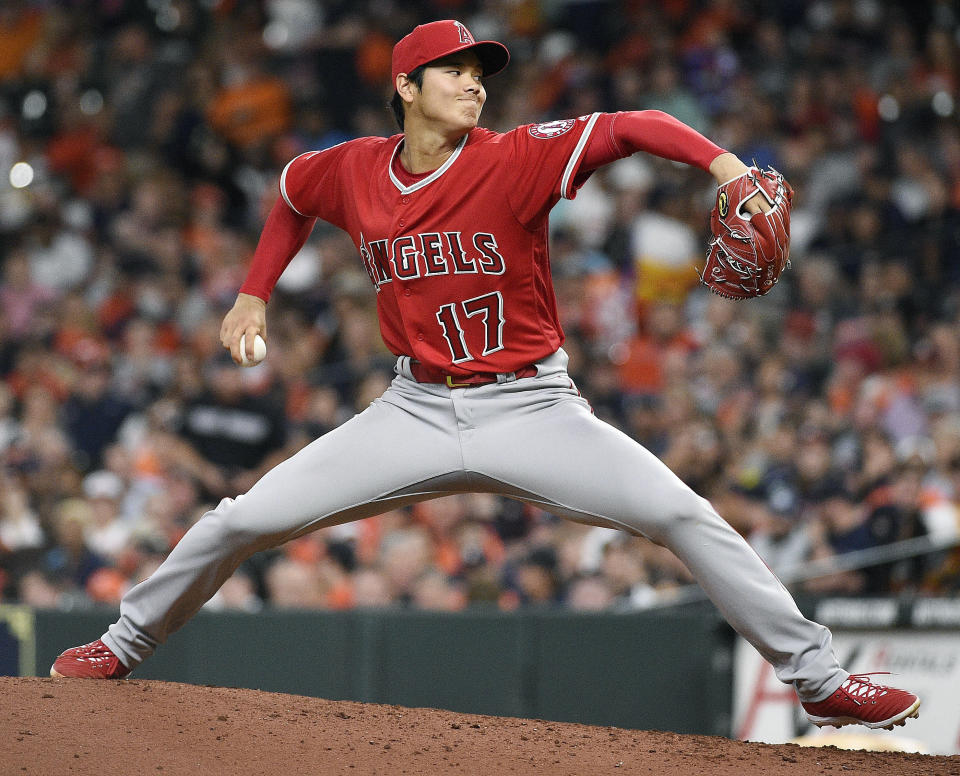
[[748, 252]]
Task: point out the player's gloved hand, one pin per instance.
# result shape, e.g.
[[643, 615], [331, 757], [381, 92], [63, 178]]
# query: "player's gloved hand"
[[728, 166], [248, 316], [750, 223]]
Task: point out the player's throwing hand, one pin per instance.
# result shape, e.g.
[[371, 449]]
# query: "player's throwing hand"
[[246, 319]]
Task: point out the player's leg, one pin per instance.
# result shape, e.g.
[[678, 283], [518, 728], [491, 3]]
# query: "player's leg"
[[546, 446], [401, 449]]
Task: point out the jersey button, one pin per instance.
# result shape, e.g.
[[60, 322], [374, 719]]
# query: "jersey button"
[[405, 200], [407, 292], [402, 222], [420, 336]]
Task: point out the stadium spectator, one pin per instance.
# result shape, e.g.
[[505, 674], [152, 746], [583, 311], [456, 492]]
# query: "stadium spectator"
[[138, 152]]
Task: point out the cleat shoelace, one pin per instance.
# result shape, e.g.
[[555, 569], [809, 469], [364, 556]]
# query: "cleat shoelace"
[[93, 653], [859, 689]]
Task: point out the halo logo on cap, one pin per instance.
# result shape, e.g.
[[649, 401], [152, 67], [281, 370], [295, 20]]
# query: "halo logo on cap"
[[465, 36]]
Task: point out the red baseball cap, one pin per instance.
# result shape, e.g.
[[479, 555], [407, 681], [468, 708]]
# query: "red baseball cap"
[[432, 41]]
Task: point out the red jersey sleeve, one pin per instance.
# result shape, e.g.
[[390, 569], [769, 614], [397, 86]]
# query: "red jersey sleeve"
[[283, 235], [544, 165], [311, 184], [617, 135]]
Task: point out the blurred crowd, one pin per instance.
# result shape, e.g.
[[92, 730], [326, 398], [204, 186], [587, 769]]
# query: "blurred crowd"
[[140, 149]]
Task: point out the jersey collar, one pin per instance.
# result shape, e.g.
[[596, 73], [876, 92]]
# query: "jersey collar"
[[432, 176]]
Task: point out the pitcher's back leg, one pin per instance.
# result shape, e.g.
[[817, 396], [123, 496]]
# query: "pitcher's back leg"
[[585, 469]]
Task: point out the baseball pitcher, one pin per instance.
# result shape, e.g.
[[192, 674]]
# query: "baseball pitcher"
[[450, 222]]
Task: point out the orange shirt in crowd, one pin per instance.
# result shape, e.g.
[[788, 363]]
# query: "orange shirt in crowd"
[[252, 112], [19, 34]]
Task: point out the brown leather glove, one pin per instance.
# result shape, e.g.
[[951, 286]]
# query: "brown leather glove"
[[748, 252]]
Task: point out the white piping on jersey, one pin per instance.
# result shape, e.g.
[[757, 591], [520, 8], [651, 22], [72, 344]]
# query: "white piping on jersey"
[[575, 156], [432, 176], [283, 181]]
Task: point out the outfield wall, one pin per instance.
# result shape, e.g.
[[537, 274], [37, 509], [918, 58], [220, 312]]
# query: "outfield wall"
[[668, 671], [672, 669]]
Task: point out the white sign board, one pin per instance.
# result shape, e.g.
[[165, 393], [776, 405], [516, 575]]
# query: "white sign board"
[[927, 663]]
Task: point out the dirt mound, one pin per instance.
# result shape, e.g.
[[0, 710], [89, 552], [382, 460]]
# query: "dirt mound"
[[83, 727]]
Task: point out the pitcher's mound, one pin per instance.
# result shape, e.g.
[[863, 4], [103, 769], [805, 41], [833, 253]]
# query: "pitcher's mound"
[[85, 727]]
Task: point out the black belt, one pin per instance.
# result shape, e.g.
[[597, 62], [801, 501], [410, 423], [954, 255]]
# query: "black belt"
[[425, 374]]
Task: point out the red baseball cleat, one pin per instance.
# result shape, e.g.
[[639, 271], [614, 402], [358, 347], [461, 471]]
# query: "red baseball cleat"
[[91, 661], [858, 701]]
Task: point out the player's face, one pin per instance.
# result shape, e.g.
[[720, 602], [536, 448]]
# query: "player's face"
[[452, 92]]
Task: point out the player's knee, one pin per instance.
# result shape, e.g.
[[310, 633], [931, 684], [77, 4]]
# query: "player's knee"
[[233, 526], [686, 511]]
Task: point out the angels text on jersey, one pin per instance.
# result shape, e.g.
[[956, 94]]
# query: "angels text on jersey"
[[428, 254]]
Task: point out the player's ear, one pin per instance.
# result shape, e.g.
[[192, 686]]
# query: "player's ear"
[[405, 87]]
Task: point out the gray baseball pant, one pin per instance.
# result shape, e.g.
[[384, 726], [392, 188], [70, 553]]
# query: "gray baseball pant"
[[534, 439]]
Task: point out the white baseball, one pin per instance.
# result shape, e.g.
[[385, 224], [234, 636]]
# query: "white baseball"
[[259, 351]]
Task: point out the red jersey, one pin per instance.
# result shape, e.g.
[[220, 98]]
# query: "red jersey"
[[459, 257]]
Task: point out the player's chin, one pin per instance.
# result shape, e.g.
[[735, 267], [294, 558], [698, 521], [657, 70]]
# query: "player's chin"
[[470, 116]]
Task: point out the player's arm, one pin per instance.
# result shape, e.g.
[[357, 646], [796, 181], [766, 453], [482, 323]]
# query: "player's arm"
[[283, 235], [618, 135]]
